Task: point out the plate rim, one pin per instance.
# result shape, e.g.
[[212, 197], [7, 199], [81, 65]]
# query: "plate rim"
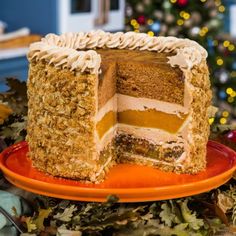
[[22, 178]]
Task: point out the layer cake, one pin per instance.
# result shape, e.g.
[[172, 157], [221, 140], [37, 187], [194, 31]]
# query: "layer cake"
[[97, 99]]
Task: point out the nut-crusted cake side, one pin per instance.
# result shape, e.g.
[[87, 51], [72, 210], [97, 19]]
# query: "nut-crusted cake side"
[[198, 129], [58, 113], [62, 105], [78, 116]]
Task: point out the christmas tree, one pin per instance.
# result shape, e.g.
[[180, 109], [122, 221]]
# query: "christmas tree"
[[202, 21]]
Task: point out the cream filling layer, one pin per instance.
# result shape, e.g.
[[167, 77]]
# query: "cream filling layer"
[[111, 105], [176, 163], [156, 136], [126, 102], [121, 102]]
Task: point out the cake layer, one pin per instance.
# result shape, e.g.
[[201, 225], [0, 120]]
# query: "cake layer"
[[107, 82], [140, 74], [131, 158], [132, 145]]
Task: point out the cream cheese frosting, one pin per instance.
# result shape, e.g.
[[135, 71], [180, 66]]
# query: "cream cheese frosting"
[[145, 159], [156, 136], [66, 57], [126, 102], [66, 50], [111, 105], [121, 102]]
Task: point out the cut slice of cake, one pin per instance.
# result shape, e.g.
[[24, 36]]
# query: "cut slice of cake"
[[96, 99]]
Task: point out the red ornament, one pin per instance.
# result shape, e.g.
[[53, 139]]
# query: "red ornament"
[[182, 3], [231, 136], [226, 53], [141, 20]]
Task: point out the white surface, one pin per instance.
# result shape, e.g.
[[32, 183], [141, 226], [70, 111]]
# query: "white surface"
[[232, 19], [12, 53], [2, 27], [15, 34], [116, 19], [75, 22]]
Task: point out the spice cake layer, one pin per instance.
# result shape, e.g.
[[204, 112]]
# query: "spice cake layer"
[[96, 99]]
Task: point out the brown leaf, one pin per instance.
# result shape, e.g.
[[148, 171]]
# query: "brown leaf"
[[232, 229], [43, 214], [221, 215], [234, 175], [49, 231], [5, 111], [16, 96]]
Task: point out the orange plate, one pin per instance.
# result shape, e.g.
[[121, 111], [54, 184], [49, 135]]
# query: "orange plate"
[[131, 183]]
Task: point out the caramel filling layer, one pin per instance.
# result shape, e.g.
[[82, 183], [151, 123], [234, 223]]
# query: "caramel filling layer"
[[149, 118], [108, 120], [153, 119]]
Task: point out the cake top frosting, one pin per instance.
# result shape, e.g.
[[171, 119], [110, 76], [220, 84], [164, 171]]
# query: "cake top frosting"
[[67, 50]]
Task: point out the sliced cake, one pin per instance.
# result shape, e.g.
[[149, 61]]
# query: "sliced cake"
[[97, 98]]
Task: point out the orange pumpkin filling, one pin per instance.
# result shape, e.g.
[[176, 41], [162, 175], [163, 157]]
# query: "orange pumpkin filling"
[[106, 123], [152, 118], [149, 118]]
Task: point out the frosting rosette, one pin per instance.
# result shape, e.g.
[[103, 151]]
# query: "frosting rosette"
[[66, 50]]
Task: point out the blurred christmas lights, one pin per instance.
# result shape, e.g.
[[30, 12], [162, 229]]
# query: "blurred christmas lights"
[[201, 21]]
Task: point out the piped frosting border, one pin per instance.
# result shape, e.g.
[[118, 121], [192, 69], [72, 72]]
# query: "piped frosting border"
[[66, 50]]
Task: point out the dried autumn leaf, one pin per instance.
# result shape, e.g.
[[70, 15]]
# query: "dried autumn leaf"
[[232, 229], [65, 232], [224, 202], [67, 214], [221, 215], [13, 129], [31, 226], [234, 175], [166, 214], [189, 216], [5, 111], [16, 96], [39, 221]]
